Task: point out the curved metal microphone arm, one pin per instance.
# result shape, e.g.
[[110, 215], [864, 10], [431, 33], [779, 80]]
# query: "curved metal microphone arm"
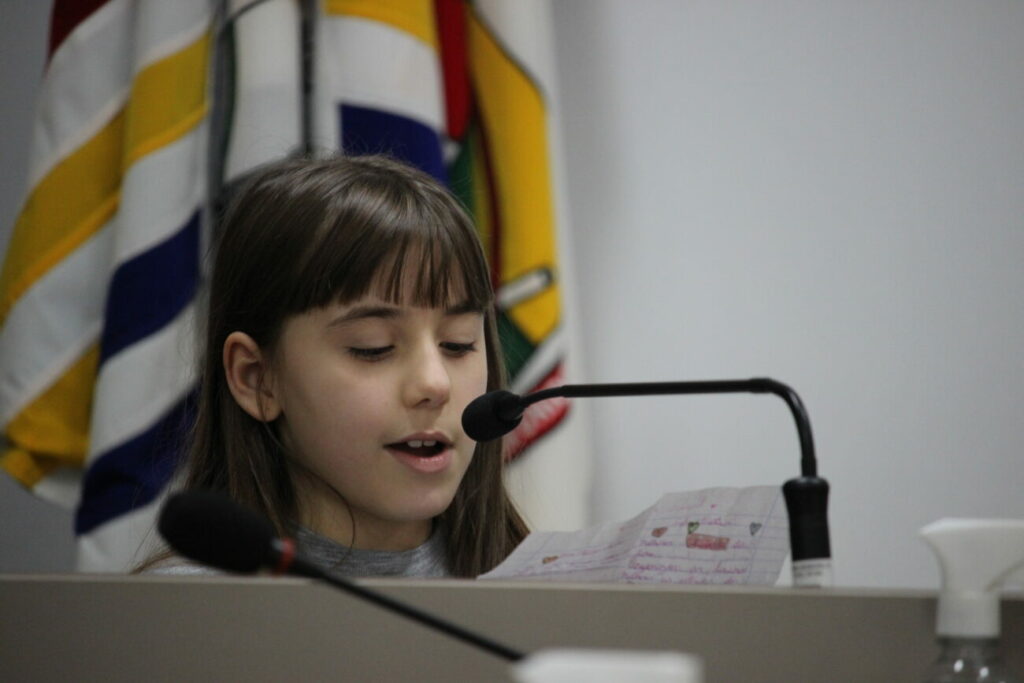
[[758, 385]]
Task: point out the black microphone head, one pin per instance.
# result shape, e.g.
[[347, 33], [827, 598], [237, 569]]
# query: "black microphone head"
[[210, 528], [492, 415]]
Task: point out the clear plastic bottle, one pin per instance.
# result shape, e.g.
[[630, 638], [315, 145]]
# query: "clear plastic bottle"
[[970, 660], [975, 557]]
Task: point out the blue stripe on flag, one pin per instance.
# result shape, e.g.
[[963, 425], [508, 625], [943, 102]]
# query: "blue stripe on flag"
[[146, 294], [134, 473], [148, 291], [372, 131]]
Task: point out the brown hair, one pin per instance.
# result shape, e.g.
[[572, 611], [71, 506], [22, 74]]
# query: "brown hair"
[[302, 234]]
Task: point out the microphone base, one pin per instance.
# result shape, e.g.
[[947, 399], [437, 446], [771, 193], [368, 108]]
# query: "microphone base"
[[807, 505], [816, 573]]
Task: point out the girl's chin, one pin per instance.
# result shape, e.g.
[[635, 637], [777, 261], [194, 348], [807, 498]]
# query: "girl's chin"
[[429, 507]]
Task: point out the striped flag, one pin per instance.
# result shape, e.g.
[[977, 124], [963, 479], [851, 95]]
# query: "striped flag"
[[99, 282]]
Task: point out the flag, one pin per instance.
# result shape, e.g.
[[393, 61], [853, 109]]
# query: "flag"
[[151, 109], [99, 281], [463, 90]]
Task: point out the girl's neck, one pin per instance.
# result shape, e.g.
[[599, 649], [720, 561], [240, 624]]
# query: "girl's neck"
[[369, 534], [324, 511]]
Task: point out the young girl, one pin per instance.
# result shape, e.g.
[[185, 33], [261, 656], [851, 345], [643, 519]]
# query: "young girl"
[[351, 320]]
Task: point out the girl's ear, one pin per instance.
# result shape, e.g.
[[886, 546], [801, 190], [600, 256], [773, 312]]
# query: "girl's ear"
[[248, 377]]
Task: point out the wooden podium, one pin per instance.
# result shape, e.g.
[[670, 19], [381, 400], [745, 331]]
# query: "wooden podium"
[[154, 628]]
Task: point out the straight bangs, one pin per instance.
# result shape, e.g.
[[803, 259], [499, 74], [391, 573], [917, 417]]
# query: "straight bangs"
[[405, 242]]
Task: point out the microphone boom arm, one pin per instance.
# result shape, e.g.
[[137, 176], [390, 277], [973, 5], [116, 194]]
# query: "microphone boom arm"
[[757, 385]]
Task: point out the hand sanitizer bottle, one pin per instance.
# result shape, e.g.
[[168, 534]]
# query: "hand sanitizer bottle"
[[975, 557]]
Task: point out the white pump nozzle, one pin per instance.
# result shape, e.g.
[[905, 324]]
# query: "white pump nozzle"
[[975, 557]]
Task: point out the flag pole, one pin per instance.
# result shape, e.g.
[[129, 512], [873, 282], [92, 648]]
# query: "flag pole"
[[221, 86], [307, 45]]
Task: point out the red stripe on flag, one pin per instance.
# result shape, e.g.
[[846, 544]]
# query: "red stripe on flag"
[[538, 419], [66, 16], [451, 31]]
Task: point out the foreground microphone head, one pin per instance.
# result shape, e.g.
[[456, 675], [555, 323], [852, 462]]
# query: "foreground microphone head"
[[208, 527], [492, 415]]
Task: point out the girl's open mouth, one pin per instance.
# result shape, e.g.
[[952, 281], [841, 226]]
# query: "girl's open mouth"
[[423, 457], [422, 449]]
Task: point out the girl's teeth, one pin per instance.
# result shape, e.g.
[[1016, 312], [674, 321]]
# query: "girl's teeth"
[[429, 444], [415, 444]]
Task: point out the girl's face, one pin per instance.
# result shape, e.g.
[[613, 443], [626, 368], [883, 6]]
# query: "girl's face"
[[371, 397]]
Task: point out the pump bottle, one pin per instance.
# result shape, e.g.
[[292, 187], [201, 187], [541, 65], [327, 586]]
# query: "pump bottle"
[[975, 558]]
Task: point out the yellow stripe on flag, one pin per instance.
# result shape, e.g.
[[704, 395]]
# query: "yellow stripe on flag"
[[415, 17], [515, 123], [79, 196], [69, 205], [53, 430], [27, 469], [168, 100]]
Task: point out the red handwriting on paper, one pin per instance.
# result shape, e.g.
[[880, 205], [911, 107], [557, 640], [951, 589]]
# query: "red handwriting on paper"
[[707, 542]]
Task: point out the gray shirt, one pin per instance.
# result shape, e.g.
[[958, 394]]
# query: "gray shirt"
[[426, 560]]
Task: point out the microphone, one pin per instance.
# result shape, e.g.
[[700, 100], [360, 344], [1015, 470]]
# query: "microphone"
[[498, 412], [210, 528], [495, 414]]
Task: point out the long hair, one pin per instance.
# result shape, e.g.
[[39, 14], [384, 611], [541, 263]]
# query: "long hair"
[[303, 234]]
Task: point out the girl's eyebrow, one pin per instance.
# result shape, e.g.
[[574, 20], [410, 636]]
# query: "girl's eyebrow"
[[363, 312], [464, 308], [392, 312]]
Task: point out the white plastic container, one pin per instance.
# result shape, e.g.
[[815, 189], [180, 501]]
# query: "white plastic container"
[[975, 558]]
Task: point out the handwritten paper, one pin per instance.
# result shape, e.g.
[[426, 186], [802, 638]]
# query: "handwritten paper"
[[723, 536]]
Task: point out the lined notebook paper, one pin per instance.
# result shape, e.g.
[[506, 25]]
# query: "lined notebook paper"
[[717, 536]]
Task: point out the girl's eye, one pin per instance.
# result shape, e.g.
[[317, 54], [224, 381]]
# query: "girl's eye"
[[373, 353], [457, 349]]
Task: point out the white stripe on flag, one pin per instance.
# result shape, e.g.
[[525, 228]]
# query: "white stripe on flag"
[[122, 543], [136, 387], [374, 65], [158, 194], [543, 358], [48, 330], [524, 28], [62, 487], [266, 119], [163, 28], [86, 82]]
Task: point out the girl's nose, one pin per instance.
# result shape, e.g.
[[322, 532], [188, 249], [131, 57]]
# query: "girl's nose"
[[429, 384]]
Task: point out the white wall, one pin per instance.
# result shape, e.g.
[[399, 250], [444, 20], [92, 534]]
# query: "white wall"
[[35, 536], [830, 193]]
